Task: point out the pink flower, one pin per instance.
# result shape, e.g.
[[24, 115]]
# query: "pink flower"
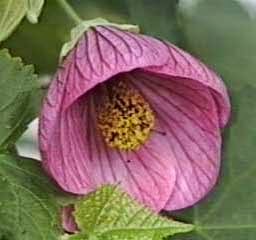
[[130, 109], [68, 220]]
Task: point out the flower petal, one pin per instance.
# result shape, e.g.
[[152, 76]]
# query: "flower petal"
[[82, 162], [101, 54], [65, 157], [68, 220], [144, 174], [188, 115], [182, 65], [104, 52], [181, 166]]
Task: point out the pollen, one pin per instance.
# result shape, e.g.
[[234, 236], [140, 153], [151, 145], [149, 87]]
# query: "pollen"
[[126, 119]]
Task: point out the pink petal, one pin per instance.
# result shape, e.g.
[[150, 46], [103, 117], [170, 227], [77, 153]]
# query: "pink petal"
[[89, 163], [181, 166], [105, 52], [144, 174], [182, 65], [73, 153], [68, 220], [187, 113], [100, 54]]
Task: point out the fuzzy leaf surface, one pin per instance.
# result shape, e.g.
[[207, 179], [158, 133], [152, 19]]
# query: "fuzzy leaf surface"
[[28, 210], [18, 84], [109, 213]]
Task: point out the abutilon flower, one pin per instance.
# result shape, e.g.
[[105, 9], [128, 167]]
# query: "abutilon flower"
[[68, 220], [130, 109]]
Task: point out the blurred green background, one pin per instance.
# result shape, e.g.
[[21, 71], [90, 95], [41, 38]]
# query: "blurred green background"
[[220, 32]]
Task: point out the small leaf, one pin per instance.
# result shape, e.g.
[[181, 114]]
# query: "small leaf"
[[34, 8], [81, 28], [12, 12], [18, 84], [28, 210], [111, 214]]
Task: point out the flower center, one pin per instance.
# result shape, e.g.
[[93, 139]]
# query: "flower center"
[[125, 119]]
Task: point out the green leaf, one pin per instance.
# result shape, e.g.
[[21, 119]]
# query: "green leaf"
[[12, 12], [28, 210], [34, 8], [82, 27], [18, 84], [110, 213], [77, 237]]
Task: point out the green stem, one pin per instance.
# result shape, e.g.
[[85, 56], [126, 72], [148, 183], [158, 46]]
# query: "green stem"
[[70, 11]]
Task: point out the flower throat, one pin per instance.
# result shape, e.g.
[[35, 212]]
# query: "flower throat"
[[126, 119]]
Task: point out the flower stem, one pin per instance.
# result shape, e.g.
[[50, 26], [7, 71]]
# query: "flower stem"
[[70, 11]]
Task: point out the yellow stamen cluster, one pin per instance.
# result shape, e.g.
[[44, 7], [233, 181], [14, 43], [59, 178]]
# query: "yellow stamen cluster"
[[126, 119]]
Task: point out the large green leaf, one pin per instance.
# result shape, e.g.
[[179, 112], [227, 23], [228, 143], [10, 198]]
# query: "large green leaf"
[[109, 213], [28, 210], [18, 84]]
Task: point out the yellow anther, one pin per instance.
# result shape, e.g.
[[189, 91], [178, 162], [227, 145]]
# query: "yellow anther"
[[126, 119]]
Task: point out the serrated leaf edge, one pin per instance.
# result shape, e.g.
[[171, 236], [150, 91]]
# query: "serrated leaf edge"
[[183, 227]]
